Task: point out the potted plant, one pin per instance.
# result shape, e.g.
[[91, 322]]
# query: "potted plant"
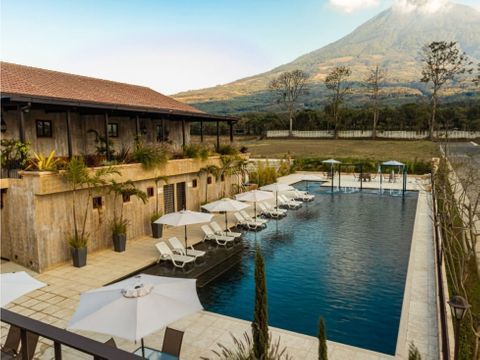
[[119, 224], [80, 178], [157, 229], [78, 250]]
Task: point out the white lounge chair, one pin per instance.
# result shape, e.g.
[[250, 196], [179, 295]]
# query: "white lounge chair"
[[167, 254], [178, 247], [271, 208], [303, 195], [251, 225], [270, 213], [291, 204], [220, 239], [218, 230], [249, 218]]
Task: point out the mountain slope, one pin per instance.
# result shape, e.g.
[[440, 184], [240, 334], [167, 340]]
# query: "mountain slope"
[[392, 39]]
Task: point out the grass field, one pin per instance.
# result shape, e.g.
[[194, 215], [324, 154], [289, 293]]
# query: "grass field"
[[355, 149]]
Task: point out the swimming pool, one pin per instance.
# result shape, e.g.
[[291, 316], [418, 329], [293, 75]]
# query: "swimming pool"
[[343, 256]]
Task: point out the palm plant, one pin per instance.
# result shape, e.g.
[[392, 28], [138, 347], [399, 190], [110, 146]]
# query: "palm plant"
[[126, 189], [79, 177], [43, 163], [208, 170]]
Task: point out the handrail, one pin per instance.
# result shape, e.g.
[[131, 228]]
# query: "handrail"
[[445, 350], [62, 337]]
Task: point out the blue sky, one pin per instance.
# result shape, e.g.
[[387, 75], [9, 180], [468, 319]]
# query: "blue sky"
[[176, 45]]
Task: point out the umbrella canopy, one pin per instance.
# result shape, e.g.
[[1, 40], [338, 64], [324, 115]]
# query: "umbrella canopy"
[[254, 196], [393, 163], [16, 284], [331, 161], [225, 205], [184, 217], [136, 307], [277, 187]]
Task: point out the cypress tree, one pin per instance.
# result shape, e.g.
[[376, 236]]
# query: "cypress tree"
[[322, 340], [260, 316]]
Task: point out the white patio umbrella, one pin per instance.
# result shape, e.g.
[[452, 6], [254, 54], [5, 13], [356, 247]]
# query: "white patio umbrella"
[[225, 205], [276, 188], [254, 196], [16, 284], [332, 162], [136, 307], [393, 163], [184, 218]]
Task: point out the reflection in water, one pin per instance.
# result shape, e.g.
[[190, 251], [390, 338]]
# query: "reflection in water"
[[344, 256]]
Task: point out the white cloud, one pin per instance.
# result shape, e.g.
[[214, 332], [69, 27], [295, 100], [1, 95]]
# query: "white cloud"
[[353, 5], [425, 6]]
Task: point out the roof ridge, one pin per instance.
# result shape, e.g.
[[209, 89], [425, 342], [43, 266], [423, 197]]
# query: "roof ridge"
[[78, 75]]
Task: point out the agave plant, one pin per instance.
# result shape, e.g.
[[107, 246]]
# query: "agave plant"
[[43, 163]]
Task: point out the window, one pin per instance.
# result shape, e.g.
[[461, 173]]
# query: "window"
[[113, 130], [194, 183], [44, 128], [126, 198], [222, 177], [150, 191], [97, 202], [209, 180]]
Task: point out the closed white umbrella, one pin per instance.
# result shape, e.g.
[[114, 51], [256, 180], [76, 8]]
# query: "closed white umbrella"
[[276, 188], [136, 307], [254, 196], [184, 218], [225, 205], [16, 284]]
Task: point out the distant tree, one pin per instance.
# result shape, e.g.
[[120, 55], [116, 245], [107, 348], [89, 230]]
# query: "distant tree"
[[336, 81], [289, 86], [322, 340], [476, 80], [261, 338], [442, 62], [374, 81]]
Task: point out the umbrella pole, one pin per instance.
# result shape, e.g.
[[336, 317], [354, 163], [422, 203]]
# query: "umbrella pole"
[[255, 209], [186, 246], [143, 349], [226, 223]]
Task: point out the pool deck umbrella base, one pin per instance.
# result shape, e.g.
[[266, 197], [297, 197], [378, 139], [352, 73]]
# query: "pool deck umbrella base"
[[225, 206], [184, 218], [136, 307]]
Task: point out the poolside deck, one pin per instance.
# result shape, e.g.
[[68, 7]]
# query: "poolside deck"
[[56, 303]]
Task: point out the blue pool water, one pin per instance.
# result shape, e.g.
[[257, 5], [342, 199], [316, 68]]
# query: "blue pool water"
[[342, 256]]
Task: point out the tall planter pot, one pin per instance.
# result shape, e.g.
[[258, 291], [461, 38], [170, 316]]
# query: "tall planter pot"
[[157, 230], [119, 242], [79, 256]]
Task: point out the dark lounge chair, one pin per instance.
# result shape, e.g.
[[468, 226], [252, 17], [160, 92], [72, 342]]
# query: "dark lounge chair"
[[12, 342], [172, 342]]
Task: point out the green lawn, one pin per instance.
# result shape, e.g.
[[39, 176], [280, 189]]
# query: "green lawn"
[[354, 149]]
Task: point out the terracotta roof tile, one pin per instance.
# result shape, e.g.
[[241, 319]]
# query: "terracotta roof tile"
[[36, 82]]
